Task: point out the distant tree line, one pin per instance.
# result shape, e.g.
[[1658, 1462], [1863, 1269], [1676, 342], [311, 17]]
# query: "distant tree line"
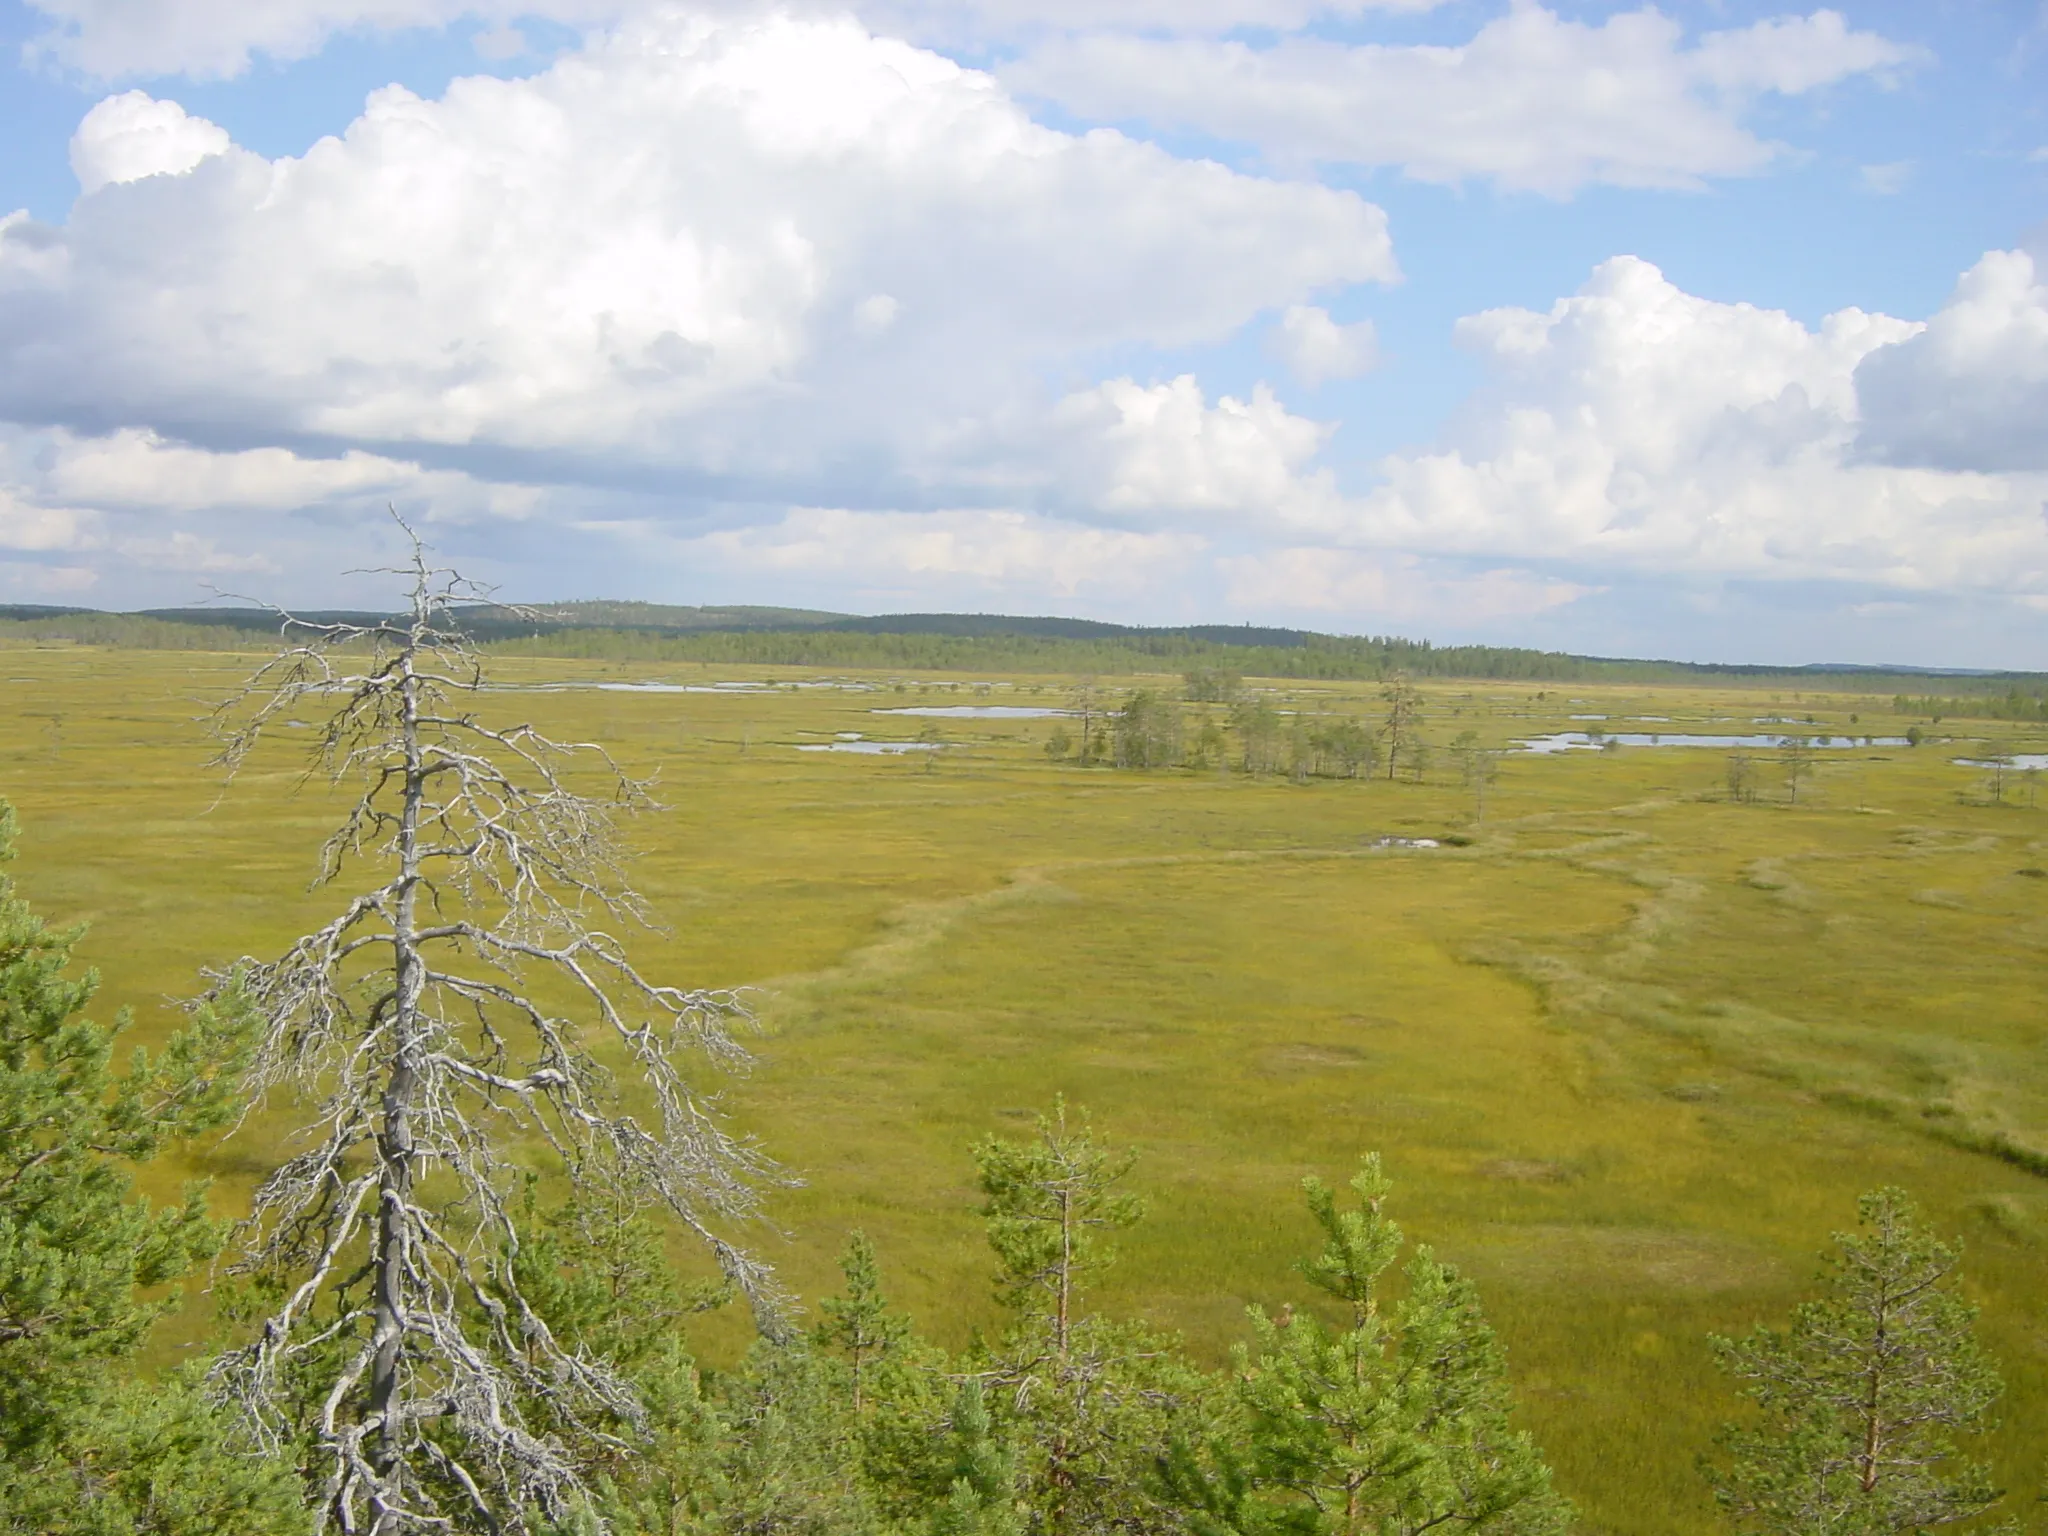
[[2015, 703], [974, 643], [133, 632], [1323, 658]]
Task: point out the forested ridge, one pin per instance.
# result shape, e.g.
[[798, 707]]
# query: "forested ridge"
[[743, 636]]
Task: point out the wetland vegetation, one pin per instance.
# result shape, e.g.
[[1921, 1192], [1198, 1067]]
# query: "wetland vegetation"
[[1632, 1037]]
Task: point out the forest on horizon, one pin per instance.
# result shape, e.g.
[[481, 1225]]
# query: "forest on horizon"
[[747, 636]]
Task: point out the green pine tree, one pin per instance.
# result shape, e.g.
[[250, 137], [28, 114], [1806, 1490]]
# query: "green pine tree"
[[671, 1481], [981, 1498], [1048, 1198], [1395, 1422], [859, 1321], [596, 1269], [1862, 1397], [909, 1457], [83, 1450], [1089, 1404], [790, 1457]]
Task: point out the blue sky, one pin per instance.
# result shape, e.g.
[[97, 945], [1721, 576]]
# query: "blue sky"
[[1717, 331]]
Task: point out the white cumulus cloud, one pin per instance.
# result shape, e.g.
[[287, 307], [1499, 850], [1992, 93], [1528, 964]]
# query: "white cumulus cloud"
[[27, 524], [755, 290], [155, 515], [1316, 581], [1317, 349], [130, 136], [1635, 427], [1163, 450], [971, 555], [1534, 101], [1970, 391], [134, 468], [755, 250]]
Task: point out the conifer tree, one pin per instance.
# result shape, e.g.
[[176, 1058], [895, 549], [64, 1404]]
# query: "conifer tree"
[[596, 1270], [789, 1457], [1795, 756], [1404, 718], [1395, 1422], [859, 1320], [1257, 724], [1089, 1404], [1479, 767], [1862, 1397], [767, 1450], [81, 1450], [981, 1497], [1048, 1198]]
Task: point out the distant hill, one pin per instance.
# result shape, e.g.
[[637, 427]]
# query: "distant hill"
[[657, 617], [738, 634], [670, 617], [25, 611], [1065, 629]]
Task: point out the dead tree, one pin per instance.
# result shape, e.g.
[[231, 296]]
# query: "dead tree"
[[1404, 718], [466, 1010]]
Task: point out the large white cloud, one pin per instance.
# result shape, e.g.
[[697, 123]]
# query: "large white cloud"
[[1632, 433], [134, 470], [1317, 349], [1021, 561], [160, 521], [1533, 101], [976, 554], [1970, 391], [130, 136], [1315, 582], [776, 253], [752, 293], [138, 469], [1638, 428], [1156, 451], [29, 525]]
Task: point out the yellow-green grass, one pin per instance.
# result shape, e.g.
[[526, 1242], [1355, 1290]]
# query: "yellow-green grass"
[[1631, 1053]]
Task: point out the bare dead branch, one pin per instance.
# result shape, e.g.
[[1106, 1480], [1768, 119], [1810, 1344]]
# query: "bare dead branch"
[[431, 1056]]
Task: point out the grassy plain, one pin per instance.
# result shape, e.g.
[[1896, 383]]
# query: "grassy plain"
[[1631, 1053]]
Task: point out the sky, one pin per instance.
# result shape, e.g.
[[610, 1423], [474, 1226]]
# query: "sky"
[[1716, 330]]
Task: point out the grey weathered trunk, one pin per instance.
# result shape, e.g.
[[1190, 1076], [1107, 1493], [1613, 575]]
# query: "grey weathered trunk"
[[396, 1153]]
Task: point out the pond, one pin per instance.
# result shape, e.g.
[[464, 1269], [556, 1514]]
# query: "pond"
[[632, 687], [1579, 741], [677, 687], [872, 748], [975, 711], [2020, 762], [735, 686]]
